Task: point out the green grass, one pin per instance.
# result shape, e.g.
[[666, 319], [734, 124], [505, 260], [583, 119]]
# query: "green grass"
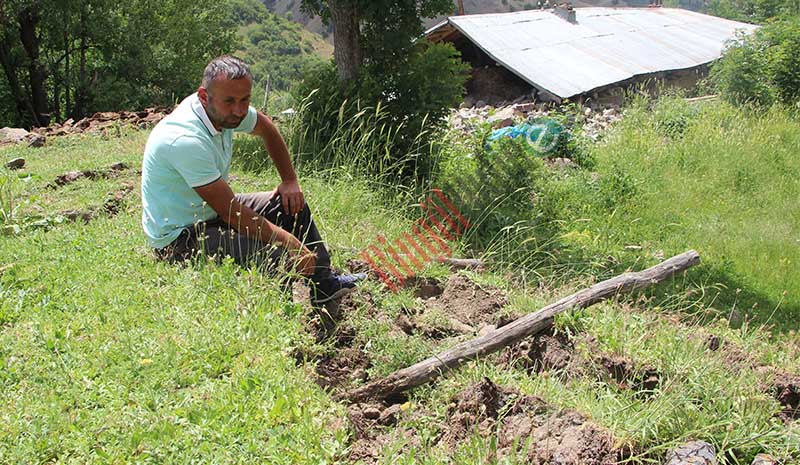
[[719, 179], [109, 356]]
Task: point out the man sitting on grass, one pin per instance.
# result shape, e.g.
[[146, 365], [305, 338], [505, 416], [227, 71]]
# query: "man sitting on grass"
[[189, 208]]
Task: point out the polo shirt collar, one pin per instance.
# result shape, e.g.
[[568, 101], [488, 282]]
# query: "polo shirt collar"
[[198, 109]]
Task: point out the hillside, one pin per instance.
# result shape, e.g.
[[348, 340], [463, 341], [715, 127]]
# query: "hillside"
[[110, 356], [274, 46]]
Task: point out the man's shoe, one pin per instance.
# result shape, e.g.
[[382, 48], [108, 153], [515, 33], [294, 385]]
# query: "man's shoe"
[[335, 287]]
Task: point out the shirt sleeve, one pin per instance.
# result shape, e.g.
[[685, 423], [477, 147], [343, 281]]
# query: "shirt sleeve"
[[193, 161], [249, 121]]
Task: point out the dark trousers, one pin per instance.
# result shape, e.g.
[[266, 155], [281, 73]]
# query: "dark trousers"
[[215, 238]]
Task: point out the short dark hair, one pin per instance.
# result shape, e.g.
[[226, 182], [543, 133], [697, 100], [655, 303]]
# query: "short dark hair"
[[229, 66]]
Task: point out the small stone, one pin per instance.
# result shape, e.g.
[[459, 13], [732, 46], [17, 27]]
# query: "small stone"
[[16, 164], [480, 104], [119, 166], [587, 111], [693, 453], [389, 416]]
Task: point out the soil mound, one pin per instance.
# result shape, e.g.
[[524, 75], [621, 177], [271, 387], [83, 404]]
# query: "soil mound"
[[547, 351], [786, 389], [526, 425], [462, 307]]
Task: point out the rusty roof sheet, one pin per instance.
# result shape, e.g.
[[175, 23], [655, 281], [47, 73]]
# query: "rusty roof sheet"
[[604, 45]]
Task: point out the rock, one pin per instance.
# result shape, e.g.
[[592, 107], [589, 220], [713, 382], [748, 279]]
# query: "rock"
[[693, 453], [119, 166], [525, 107], [82, 124], [12, 135], [389, 416], [764, 459], [480, 104], [105, 116], [16, 164], [35, 140], [502, 115], [563, 163], [503, 123]]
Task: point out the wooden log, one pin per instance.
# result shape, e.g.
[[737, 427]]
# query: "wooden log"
[[521, 328]]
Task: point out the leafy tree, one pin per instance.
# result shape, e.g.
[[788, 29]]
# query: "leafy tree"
[[69, 58], [376, 31], [380, 63], [763, 68], [755, 11]]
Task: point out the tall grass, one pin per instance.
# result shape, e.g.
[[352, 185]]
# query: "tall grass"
[[362, 145], [718, 178]]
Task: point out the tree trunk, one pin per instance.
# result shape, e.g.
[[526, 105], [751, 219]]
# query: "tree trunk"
[[28, 23], [10, 69], [67, 88], [521, 328], [80, 88], [346, 39]]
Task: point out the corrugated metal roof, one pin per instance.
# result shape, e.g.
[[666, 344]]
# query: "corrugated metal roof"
[[604, 45]]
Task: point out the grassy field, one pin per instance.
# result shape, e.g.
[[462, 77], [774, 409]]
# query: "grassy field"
[[108, 356]]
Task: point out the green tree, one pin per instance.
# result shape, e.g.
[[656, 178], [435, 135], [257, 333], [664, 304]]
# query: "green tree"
[[69, 58], [762, 68], [754, 11], [376, 31]]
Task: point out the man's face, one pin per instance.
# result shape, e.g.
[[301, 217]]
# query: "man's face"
[[226, 101]]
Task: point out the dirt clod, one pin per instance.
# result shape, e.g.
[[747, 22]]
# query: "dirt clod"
[[525, 424], [713, 343], [546, 351], [462, 308], [626, 374], [424, 288], [335, 371], [786, 389], [72, 176]]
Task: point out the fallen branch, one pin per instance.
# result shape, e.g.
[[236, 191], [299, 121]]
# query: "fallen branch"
[[521, 328]]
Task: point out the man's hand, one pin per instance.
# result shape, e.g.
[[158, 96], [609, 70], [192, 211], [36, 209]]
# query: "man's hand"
[[291, 197]]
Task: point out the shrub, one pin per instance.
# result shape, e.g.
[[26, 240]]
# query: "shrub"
[[413, 100], [763, 68]]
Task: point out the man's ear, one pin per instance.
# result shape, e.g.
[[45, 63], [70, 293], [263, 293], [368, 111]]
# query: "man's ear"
[[202, 94]]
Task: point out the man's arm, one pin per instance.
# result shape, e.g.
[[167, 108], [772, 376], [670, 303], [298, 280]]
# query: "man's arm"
[[291, 195], [219, 196]]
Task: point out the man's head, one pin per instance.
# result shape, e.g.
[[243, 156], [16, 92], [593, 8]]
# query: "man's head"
[[225, 91]]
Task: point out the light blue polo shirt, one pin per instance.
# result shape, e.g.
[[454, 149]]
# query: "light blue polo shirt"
[[184, 151]]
